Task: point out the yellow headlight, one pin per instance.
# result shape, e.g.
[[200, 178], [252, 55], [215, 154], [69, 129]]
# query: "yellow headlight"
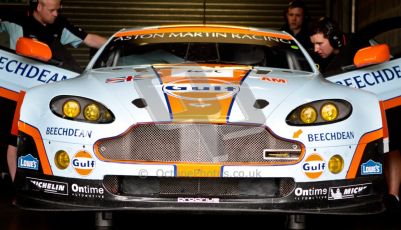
[[61, 159], [336, 164], [308, 114], [329, 112], [92, 112], [71, 108], [107, 116]]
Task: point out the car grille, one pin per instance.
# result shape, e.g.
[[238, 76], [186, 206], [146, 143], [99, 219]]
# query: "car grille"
[[160, 187], [210, 143]]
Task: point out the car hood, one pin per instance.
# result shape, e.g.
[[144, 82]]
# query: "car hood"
[[196, 93]]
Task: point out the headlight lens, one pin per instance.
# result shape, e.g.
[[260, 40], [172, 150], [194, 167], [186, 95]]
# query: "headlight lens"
[[320, 112], [69, 107], [336, 164], [92, 112], [308, 114], [329, 112], [61, 159]]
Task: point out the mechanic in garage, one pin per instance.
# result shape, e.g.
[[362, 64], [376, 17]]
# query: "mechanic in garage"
[[44, 23], [334, 52], [297, 23], [328, 45]]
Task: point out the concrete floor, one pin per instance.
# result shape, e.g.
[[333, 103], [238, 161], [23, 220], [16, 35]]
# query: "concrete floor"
[[12, 218]]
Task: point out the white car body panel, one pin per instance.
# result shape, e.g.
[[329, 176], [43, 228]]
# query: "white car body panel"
[[179, 95]]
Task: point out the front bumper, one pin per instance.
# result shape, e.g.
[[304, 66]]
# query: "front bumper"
[[359, 196]]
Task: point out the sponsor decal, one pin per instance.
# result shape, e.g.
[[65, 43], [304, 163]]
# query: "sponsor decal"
[[176, 36], [48, 186], [119, 79], [69, 132], [310, 193], [314, 166], [371, 168], [83, 163], [28, 162], [348, 192], [197, 200], [202, 73], [29, 71], [87, 191], [274, 79], [334, 136], [370, 79], [198, 89]]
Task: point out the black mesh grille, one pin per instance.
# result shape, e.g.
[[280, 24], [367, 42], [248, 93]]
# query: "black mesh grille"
[[199, 187], [196, 143]]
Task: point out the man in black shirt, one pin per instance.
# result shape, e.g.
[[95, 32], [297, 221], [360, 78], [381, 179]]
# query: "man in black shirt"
[[328, 42], [334, 50], [44, 24], [297, 23]]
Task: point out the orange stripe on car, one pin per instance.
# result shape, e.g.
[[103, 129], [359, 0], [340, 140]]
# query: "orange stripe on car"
[[14, 128], [356, 160], [11, 95], [391, 103], [198, 170], [35, 134], [205, 106]]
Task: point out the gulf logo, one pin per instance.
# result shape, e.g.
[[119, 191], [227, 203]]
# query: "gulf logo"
[[196, 89], [314, 166], [83, 163]]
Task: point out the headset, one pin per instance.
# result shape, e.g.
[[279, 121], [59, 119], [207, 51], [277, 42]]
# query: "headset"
[[33, 5], [333, 33]]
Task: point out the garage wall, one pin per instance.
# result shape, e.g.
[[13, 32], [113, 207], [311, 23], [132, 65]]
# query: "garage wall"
[[106, 17], [374, 10]]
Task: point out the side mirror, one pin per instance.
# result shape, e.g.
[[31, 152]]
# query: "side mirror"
[[372, 55], [33, 48]]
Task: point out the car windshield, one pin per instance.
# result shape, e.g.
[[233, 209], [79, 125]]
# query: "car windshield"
[[149, 49]]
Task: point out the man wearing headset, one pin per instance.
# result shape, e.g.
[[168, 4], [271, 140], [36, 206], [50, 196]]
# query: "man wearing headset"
[[328, 44], [334, 52], [44, 24]]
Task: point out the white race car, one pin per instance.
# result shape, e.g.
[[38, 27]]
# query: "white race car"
[[202, 118]]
